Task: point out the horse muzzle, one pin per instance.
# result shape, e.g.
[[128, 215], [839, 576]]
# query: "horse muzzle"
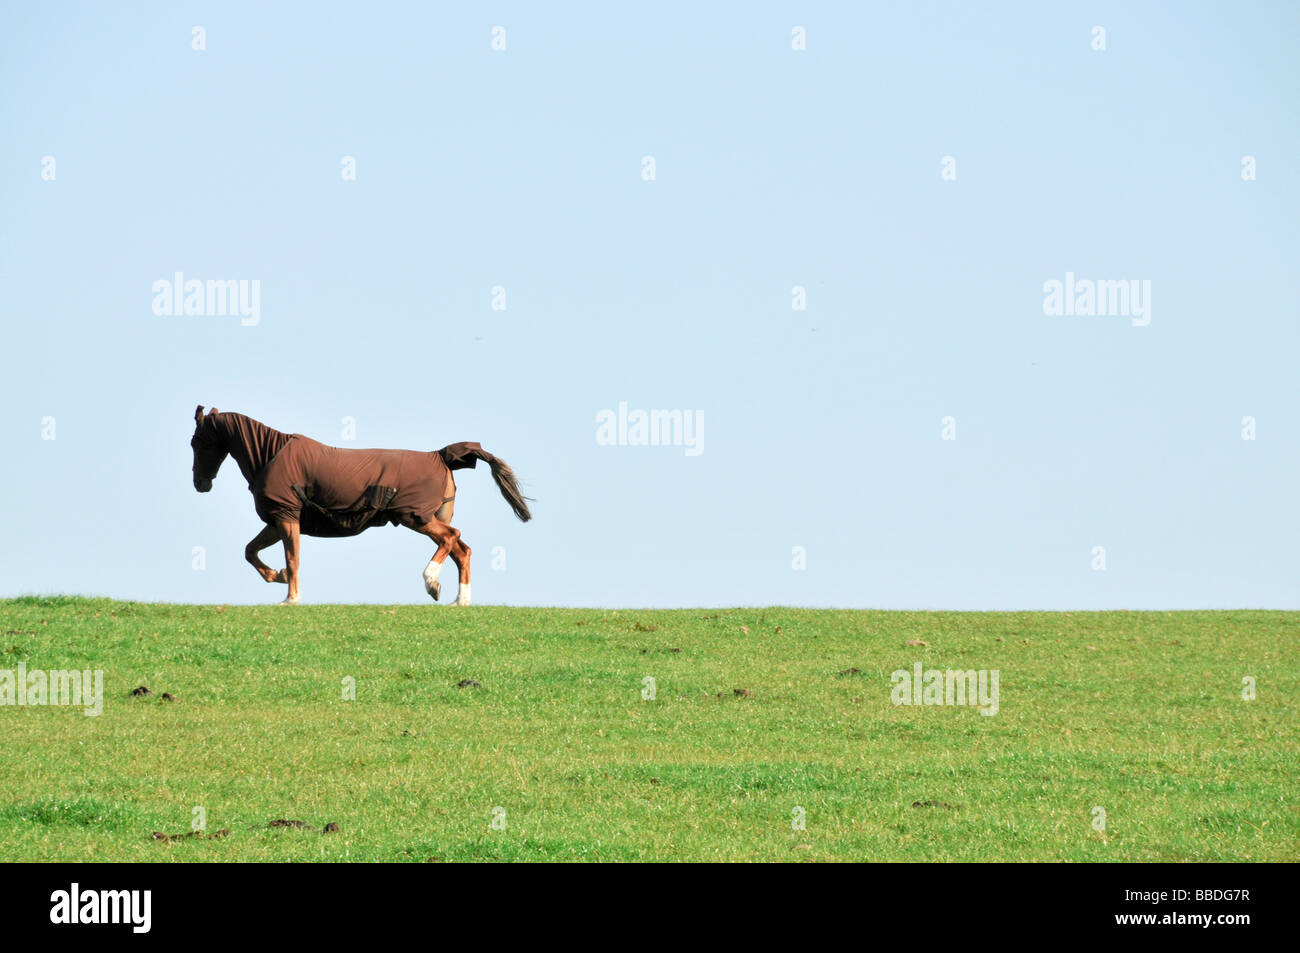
[[203, 486]]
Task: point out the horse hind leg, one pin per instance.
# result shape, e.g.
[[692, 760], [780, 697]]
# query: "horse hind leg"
[[431, 584], [440, 531], [460, 555], [459, 551], [449, 544], [441, 534]]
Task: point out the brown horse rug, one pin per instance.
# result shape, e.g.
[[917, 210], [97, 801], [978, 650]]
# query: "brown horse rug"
[[302, 487], [331, 491]]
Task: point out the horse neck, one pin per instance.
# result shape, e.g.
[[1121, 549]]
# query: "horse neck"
[[251, 442]]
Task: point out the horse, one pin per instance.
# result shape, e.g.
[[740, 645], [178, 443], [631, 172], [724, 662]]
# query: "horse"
[[304, 488]]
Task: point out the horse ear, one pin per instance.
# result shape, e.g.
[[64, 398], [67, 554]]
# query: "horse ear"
[[212, 411], [198, 415]]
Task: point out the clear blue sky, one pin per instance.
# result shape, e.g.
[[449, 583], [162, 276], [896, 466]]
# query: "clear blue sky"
[[774, 168]]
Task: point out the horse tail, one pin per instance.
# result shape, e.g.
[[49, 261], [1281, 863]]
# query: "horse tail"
[[509, 487], [460, 455]]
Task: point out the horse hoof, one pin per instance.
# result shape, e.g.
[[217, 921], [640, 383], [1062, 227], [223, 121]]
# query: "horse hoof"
[[288, 602], [435, 590]]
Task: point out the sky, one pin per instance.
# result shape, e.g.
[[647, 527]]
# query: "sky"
[[825, 233]]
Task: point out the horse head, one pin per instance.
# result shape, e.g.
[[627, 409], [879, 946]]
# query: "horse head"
[[209, 448]]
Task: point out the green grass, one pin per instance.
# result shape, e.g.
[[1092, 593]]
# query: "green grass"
[[1140, 713]]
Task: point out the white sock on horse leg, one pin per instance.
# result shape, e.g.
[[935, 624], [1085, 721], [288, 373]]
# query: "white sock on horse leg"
[[462, 597], [431, 572]]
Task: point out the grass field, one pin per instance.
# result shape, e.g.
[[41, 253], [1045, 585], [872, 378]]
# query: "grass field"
[[1138, 713]]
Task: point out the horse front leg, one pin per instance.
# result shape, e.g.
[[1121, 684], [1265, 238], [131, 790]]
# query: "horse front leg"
[[265, 538], [290, 534]]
